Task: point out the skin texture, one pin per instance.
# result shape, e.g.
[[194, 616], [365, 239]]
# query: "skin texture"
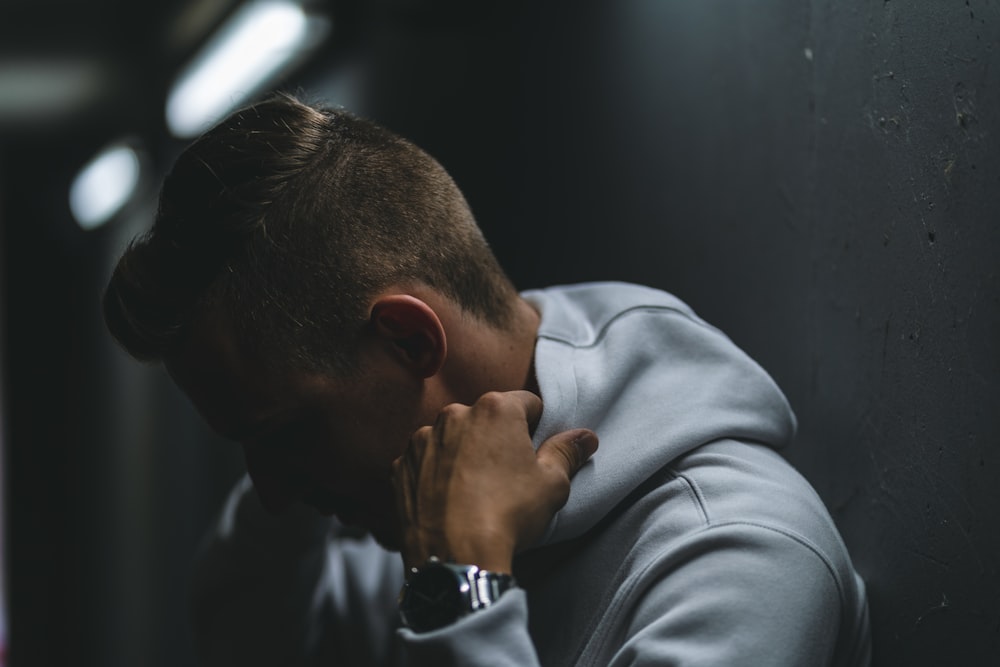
[[428, 447]]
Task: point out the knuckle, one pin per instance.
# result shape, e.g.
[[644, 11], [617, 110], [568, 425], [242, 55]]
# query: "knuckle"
[[450, 411], [422, 434], [492, 401], [557, 474], [560, 491], [571, 456]]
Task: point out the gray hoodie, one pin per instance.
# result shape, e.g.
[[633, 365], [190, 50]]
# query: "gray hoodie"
[[686, 540]]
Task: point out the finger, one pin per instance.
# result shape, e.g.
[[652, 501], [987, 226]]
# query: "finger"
[[406, 471], [532, 406], [413, 455], [401, 477], [566, 452], [402, 482]]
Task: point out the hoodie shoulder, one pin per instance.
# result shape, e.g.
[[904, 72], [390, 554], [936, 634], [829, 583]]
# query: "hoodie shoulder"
[[579, 315]]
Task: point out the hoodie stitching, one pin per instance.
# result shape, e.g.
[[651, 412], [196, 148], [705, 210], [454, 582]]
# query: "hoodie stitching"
[[795, 537], [669, 310], [696, 495]]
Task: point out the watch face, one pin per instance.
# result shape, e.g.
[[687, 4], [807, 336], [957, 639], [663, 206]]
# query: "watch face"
[[434, 597]]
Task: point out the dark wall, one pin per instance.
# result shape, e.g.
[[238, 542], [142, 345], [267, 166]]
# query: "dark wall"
[[819, 179], [110, 479]]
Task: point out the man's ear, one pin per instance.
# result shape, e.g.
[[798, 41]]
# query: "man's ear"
[[413, 330]]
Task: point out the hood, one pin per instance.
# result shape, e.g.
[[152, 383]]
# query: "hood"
[[652, 379]]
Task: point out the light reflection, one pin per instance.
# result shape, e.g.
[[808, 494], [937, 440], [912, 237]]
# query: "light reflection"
[[104, 185], [261, 41]]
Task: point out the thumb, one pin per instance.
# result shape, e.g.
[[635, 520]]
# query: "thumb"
[[566, 452]]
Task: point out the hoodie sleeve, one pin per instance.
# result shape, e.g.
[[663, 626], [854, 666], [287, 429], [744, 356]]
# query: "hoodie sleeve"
[[495, 637], [736, 594], [291, 590]]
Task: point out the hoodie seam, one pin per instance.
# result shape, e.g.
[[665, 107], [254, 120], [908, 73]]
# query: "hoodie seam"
[[697, 498], [802, 541], [602, 332]]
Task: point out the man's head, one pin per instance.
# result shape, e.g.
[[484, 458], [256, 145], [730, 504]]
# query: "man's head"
[[286, 218], [300, 282]]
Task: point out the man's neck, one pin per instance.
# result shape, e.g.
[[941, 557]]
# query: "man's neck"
[[481, 357]]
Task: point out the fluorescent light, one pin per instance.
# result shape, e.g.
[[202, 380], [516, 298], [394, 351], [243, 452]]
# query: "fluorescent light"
[[104, 185], [262, 41], [45, 89]]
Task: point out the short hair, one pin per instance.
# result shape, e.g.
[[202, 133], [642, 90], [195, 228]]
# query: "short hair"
[[284, 219]]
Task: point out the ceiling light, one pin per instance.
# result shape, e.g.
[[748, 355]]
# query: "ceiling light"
[[104, 185], [36, 90], [263, 40]]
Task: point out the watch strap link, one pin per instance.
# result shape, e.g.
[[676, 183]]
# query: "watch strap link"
[[486, 587]]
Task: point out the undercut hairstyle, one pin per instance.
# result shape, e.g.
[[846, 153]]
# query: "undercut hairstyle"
[[284, 220]]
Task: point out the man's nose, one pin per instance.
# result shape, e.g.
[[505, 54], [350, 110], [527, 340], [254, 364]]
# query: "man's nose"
[[272, 480]]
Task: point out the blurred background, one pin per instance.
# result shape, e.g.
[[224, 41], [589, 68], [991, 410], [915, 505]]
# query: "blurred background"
[[819, 179]]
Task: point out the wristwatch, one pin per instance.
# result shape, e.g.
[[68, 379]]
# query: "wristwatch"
[[439, 593]]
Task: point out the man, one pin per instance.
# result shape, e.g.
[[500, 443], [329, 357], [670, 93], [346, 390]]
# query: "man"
[[319, 289]]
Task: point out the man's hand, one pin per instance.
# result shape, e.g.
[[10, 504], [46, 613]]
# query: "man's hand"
[[472, 489]]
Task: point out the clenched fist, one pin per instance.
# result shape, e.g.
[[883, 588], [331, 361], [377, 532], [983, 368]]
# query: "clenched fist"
[[472, 489]]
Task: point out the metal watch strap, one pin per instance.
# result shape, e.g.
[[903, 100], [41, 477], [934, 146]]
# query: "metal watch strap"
[[486, 587]]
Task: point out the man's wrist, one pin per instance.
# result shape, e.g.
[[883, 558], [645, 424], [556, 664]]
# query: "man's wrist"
[[493, 555], [497, 560]]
